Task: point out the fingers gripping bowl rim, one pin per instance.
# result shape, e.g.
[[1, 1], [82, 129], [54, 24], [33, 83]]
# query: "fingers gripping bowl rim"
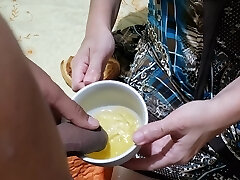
[[110, 92]]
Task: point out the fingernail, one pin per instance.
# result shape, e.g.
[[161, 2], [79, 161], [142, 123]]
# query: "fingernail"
[[138, 138], [93, 122]]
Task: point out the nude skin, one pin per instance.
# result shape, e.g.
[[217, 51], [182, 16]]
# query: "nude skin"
[[30, 145], [23, 144]]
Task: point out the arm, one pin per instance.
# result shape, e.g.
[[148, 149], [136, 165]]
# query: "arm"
[[98, 45], [179, 136], [102, 13], [227, 104]]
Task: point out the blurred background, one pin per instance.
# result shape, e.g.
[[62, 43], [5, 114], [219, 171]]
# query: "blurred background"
[[50, 31]]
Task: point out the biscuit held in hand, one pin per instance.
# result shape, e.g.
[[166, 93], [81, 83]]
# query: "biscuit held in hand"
[[66, 70], [112, 70]]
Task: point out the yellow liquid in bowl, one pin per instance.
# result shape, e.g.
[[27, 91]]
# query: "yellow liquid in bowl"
[[120, 123]]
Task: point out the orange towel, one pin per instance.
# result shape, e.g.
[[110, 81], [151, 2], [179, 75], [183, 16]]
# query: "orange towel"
[[81, 170]]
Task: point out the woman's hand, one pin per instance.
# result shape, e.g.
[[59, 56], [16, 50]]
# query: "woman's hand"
[[59, 102], [178, 137], [90, 61]]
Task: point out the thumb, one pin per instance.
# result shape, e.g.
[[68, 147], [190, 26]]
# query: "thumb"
[[152, 132], [79, 65], [95, 69], [74, 112]]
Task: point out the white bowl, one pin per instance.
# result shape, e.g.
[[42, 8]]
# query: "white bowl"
[[112, 93]]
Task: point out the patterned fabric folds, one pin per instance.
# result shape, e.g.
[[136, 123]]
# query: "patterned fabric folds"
[[162, 62]]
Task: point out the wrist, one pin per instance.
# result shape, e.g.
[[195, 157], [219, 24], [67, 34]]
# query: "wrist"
[[99, 31], [226, 110], [97, 20]]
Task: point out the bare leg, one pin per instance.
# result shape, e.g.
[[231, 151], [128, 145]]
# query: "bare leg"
[[30, 147]]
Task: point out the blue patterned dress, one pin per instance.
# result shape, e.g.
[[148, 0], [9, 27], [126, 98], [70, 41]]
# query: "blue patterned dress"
[[165, 71]]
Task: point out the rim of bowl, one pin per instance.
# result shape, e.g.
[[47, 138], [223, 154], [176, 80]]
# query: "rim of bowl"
[[110, 160]]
